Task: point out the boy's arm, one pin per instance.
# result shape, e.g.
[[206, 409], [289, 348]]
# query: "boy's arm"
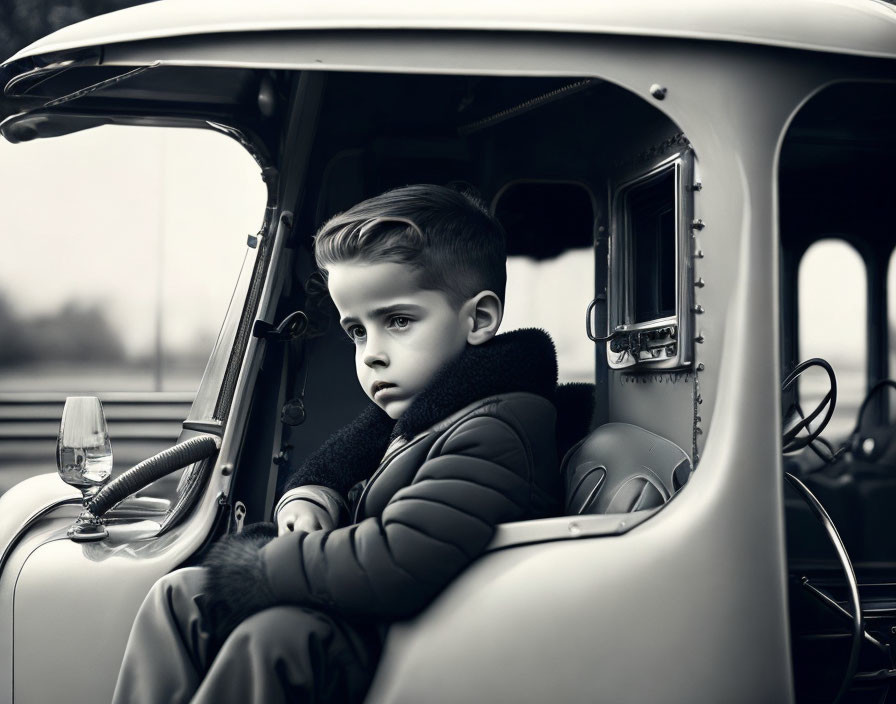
[[392, 566]]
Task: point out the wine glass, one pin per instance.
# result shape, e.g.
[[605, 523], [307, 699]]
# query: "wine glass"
[[84, 458]]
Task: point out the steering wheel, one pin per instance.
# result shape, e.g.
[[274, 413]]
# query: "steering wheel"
[[857, 630], [790, 443]]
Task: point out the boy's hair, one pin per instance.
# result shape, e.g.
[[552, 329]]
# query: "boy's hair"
[[449, 236]]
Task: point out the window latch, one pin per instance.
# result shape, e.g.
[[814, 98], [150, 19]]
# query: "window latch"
[[651, 342], [589, 330], [292, 326]]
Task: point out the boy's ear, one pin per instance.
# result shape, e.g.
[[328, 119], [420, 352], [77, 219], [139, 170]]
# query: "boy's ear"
[[485, 311]]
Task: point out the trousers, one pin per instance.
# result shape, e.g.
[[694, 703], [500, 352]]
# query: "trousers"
[[283, 654]]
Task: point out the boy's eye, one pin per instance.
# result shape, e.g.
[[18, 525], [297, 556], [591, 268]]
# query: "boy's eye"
[[356, 332], [399, 321]]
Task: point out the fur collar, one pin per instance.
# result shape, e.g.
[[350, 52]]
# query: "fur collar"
[[520, 360]]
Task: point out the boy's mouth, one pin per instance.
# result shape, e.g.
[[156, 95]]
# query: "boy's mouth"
[[379, 386]]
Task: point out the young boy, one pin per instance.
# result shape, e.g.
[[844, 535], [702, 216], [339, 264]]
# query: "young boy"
[[459, 438]]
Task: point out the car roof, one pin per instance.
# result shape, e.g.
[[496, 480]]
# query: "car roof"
[[862, 27]]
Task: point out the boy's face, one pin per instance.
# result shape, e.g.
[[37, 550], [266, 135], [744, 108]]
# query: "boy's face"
[[402, 333]]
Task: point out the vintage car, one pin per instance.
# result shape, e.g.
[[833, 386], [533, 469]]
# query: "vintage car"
[[689, 154]]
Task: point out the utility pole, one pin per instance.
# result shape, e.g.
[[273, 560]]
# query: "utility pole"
[[160, 264]]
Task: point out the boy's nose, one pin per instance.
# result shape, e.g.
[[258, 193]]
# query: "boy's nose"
[[375, 356], [375, 348]]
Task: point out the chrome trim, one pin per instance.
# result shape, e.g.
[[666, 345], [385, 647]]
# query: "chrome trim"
[[547, 530]]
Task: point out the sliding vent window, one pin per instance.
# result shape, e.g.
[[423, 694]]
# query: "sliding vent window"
[[650, 268], [651, 209]]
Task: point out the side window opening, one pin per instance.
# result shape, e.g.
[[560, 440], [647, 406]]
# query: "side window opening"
[[554, 200], [833, 325]]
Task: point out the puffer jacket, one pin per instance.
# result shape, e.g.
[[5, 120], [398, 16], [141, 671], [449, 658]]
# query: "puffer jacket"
[[476, 448]]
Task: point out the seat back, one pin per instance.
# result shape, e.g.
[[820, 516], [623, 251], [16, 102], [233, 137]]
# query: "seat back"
[[619, 468]]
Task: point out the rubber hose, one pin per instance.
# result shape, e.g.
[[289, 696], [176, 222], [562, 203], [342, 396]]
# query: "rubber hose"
[[155, 467]]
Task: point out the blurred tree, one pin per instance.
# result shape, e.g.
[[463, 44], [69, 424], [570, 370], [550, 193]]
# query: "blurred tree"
[[13, 349], [24, 21], [75, 333]]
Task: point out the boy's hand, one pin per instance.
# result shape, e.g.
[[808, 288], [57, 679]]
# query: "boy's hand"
[[302, 516], [309, 508]]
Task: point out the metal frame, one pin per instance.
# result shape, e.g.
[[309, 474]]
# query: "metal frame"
[[622, 274]]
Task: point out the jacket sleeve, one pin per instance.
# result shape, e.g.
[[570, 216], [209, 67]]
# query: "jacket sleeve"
[[393, 565], [312, 497]]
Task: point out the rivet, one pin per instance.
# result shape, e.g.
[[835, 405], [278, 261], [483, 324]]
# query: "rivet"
[[697, 224], [286, 219], [226, 470], [574, 528], [658, 91], [698, 309], [699, 431], [700, 367], [700, 283], [868, 445], [700, 339], [697, 186]]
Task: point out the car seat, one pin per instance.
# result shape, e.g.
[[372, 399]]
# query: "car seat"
[[619, 468]]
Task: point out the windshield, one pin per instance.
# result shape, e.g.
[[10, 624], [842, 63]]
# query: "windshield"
[[123, 246]]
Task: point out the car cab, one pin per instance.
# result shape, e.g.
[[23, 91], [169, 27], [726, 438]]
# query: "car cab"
[[659, 172]]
